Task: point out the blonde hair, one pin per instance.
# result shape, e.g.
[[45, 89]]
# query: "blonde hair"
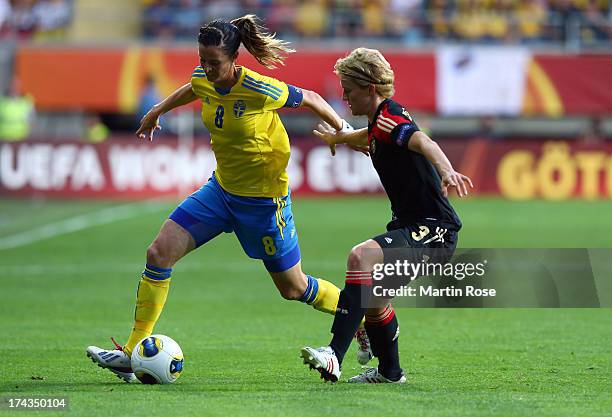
[[367, 66], [263, 45]]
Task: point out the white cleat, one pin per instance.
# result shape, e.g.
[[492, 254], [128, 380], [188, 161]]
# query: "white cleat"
[[323, 360], [364, 353], [116, 361], [372, 376]]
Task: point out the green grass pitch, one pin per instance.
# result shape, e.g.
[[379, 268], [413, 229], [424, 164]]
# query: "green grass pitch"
[[241, 340]]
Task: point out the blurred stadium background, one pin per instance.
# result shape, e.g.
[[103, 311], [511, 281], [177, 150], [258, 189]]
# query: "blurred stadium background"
[[518, 93]]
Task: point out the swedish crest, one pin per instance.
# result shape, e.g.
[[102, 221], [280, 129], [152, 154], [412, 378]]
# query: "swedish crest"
[[239, 108]]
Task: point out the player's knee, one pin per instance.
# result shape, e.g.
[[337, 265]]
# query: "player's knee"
[[156, 255], [362, 257], [356, 259], [291, 293]]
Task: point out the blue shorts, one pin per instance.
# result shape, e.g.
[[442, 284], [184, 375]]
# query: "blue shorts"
[[264, 226]]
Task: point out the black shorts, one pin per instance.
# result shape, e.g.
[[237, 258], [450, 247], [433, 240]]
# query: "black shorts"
[[419, 236], [414, 244]]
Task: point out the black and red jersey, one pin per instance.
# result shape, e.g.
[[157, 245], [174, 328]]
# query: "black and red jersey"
[[410, 180]]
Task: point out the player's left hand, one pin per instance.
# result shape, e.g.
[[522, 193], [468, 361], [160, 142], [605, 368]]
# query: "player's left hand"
[[328, 134], [333, 137], [457, 180]]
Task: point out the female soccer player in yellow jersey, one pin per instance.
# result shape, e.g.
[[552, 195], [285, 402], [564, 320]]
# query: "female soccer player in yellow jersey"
[[249, 190]]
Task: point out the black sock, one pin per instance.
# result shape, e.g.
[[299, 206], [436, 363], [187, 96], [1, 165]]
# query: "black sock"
[[383, 331], [350, 311]]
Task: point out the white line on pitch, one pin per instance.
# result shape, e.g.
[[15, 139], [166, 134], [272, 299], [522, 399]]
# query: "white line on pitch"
[[80, 222]]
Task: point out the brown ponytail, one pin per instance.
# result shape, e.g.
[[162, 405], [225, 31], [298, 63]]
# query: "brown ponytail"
[[263, 45]]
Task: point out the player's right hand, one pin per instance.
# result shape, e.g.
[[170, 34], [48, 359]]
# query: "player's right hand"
[[328, 134], [332, 137], [148, 125]]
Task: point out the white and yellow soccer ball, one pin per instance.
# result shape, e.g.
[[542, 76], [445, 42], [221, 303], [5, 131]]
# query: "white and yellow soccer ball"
[[157, 359]]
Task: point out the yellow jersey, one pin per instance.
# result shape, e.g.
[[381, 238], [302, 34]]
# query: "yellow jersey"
[[248, 138]]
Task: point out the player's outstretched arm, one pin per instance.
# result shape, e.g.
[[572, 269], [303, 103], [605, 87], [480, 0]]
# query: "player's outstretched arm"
[[357, 139], [317, 104], [150, 121], [421, 143]]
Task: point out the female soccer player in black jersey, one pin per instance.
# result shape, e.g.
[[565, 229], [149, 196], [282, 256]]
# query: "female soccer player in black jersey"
[[416, 176]]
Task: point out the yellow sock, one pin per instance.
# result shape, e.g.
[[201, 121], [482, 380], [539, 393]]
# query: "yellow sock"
[[152, 294], [327, 297]]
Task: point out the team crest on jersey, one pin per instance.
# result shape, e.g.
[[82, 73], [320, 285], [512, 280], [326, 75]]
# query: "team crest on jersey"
[[239, 108]]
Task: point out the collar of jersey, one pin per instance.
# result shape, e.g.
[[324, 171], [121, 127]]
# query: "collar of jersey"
[[226, 91], [378, 110]]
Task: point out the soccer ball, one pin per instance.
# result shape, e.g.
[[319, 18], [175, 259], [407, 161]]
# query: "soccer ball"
[[157, 359]]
